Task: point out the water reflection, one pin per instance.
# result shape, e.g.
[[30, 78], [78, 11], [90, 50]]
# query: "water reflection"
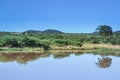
[[104, 62], [61, 55], [23, 58], [64, 54]]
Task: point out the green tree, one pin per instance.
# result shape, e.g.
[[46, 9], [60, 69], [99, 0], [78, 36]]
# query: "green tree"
[[29, 42], [62, 42], [12, 42], [104, 31]]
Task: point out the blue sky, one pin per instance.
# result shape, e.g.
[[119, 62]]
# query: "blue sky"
[[66, 15]]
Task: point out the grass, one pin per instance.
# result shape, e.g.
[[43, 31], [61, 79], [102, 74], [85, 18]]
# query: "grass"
[[90, 48], [100, 46], [20, 49]]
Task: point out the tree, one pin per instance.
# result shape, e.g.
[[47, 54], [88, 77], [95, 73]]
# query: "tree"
[[29, 42], [62, 42], [12, 42], [104, 31]]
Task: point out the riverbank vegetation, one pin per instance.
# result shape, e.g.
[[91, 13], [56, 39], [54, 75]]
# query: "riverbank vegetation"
[[31, 40]]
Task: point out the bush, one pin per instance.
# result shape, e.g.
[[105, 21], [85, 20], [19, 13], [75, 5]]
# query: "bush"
[[2, 42], [12, 42], [29, 42], [63, 42], [35, 42], [78, 44]]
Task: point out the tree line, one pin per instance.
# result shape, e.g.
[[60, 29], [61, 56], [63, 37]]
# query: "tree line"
[[103, 35]]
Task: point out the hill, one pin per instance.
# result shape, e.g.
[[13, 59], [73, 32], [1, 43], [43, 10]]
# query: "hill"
[[51, 31], [32, 31], [117, 32], [48, 31]]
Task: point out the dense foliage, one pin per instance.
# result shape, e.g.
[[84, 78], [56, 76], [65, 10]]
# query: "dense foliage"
[[45, 40]]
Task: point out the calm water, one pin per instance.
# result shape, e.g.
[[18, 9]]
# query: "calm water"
[[59, 67]]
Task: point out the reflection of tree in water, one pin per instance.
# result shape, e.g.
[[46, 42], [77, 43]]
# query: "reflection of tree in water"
[[61, 55], [78, 53], [21, 58], [104, 62], [65, 54]]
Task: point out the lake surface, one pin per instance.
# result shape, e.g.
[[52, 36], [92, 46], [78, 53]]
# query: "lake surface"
[[61, 66]]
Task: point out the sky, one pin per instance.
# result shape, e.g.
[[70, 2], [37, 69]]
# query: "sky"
[[75, 16]]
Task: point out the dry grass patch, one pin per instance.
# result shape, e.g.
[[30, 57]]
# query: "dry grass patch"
[[100, 46]]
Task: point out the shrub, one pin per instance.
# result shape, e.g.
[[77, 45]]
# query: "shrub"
[[29, 42], [62, 42], [12, 42], [78, 44]]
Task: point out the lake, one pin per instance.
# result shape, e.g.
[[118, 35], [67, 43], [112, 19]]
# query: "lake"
[[59, 66]]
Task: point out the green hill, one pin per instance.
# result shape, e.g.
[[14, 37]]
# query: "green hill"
[[32, 31], [117, 32], [51, 31]]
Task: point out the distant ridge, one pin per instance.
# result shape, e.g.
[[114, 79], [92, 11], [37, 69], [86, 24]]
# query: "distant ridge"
[[117, 32], [51, 31], [48, 31], [32, 31]]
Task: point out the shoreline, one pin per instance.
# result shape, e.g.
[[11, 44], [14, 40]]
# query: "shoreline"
[[95, 48], [86, 48]]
